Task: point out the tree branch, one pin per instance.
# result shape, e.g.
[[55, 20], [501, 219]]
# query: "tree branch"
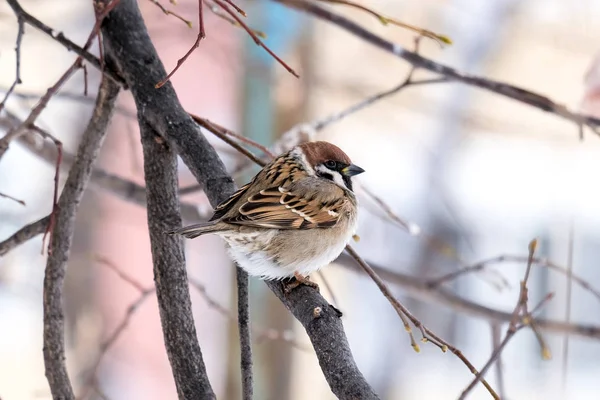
[[160, 116], [326, 332], [24, 234], [244, 331], [513, 92], [126, 35], [100, 179], [60, 38], [62, 233], [17, 81], [421, 290], [170, 275]]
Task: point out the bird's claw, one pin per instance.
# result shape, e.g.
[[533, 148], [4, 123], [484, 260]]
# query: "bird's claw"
[[299, 280]]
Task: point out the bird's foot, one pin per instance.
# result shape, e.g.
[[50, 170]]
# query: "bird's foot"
[[299, 280]]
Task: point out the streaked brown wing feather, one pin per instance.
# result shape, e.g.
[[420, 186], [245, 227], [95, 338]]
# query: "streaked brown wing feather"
[[225, 206], [281, 208]]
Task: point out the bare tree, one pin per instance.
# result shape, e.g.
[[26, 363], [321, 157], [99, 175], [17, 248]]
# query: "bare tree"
[[128, 61]]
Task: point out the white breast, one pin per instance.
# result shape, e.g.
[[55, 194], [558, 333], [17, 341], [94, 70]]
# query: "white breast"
[[274, 254]]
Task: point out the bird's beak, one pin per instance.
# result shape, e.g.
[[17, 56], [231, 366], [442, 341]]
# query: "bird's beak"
[[352, 170]]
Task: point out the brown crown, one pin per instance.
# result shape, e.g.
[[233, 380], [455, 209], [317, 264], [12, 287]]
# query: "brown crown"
[[319, 152]]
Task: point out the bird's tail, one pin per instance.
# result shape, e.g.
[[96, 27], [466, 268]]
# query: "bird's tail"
[[196, 230]]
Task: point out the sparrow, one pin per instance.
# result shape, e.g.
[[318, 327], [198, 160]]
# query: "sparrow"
[[294, 217]]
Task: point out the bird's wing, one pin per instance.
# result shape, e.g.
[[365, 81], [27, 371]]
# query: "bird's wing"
[[293, 207], [228, 204]]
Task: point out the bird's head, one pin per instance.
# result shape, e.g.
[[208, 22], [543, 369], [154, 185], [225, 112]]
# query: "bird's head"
[[329, 162]]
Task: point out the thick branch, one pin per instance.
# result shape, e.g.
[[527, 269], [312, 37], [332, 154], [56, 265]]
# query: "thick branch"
[[127, 37], [62, 235], [326, 332], [161, 116], [136, 57], [170, 275]]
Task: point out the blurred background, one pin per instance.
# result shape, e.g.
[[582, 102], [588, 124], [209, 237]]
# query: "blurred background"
[[478, 172]]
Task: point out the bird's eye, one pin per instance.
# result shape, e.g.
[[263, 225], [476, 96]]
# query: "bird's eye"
[[330, 164]]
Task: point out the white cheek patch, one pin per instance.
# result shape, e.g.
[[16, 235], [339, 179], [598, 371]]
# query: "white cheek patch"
[[337, 177]]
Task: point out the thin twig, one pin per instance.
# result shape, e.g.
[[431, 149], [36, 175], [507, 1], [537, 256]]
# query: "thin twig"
[[21, 202], [255, 37], [169, 12], [569, 289], [114, 336], [503, 89], [236, 8], [440, 39], [509, 258], [59, 157], [541, 303], [43, 102], [60, 38], [521, 317], [219, 13], [18, 131], [259, 334], [201, 35], [399, 308], [224, 134], [24, 234], [122, 188], [495, 328], [328, 288], [410, 227], [369, 101], [85, 80], [122, 275], [427, 335], [415, 288], [17, 81], [321, 124]]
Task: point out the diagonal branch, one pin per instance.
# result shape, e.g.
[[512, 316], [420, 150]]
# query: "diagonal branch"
[[503, 89], [420, 290], [100, 179], [24, 234], [326, 332], [126, 35], [448, 74], [64, 41], [54, 347], [21, 129], [404, 314]]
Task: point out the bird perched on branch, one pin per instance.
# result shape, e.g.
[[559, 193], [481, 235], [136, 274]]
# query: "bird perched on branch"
[[294, 217]]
